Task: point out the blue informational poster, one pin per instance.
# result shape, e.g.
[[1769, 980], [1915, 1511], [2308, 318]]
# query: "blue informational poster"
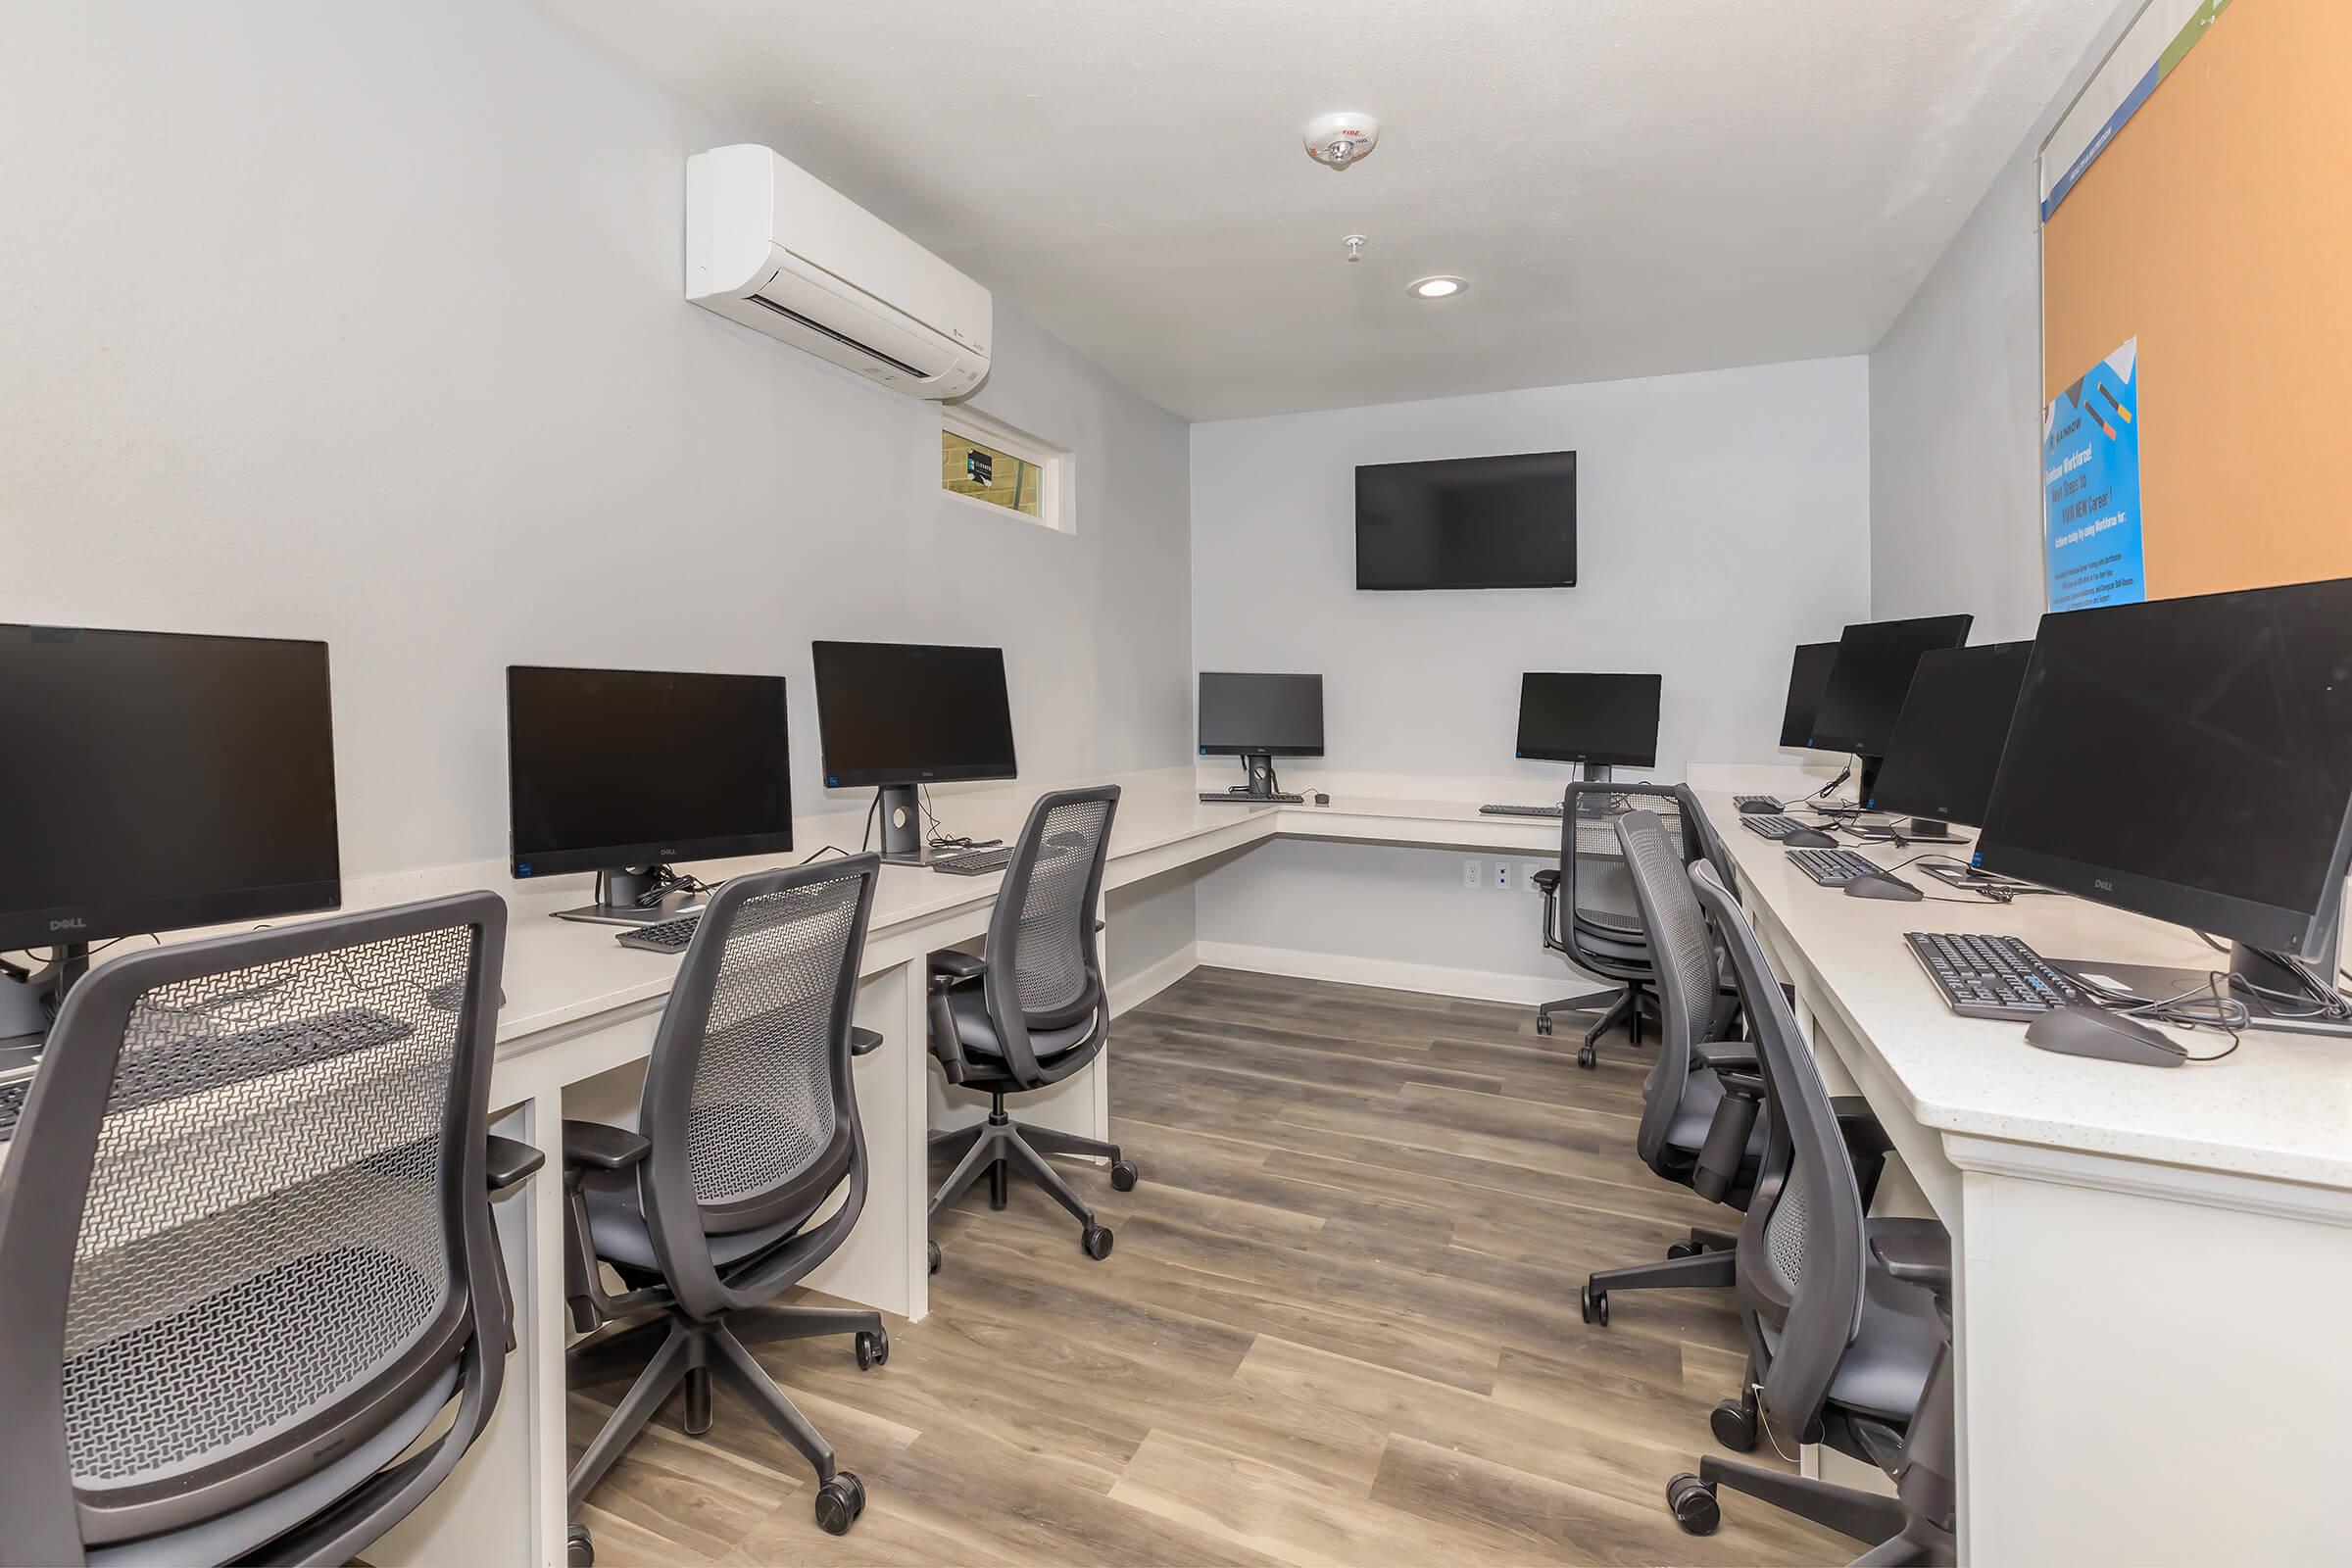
[[2090, 529]]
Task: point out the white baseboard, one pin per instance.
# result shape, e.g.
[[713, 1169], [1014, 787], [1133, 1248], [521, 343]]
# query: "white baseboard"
[[1431, 979], [1154, 978]]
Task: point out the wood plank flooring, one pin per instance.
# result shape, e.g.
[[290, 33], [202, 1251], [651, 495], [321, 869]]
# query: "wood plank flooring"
[[1339, 1326]]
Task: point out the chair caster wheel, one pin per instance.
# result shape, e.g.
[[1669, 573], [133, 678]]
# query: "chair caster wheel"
[[1097, 1242], [1587, 1058], [839, 1503], [1733, 1423], [1596, 1306], [1122, 1175], [934, 1257], [580, 1551], [1694, 1503], [1683, 1250], [873, 1349], [1543, 1023]]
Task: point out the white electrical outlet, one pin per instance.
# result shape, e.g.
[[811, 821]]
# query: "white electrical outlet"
[[1502, 875], [1474, 873]]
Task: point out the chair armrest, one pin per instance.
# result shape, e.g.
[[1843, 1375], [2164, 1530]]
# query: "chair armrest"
[[597, 1146], [1546, 880], [1917, 1256], [1725, 1055], [950, 964], [510, 1161], [865, 1041]]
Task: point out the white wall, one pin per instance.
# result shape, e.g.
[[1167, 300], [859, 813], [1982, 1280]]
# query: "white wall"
[[1955, 411], [1722, 518], [365, 324]]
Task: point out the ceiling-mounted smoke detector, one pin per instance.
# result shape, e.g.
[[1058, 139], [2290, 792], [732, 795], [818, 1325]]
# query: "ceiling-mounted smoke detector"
[[1343, 140]]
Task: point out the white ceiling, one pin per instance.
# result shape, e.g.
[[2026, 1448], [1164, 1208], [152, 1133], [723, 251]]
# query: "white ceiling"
[[1631, 186]]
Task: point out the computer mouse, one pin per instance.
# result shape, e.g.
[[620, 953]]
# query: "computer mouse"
[[1322, 798], [1879, 885], [2080, 1029], [1756, 809], [1808, 838]]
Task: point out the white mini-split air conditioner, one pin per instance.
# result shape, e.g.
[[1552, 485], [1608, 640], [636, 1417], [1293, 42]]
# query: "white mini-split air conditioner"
[[775, 248]]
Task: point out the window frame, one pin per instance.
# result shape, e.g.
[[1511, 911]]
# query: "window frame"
[[1052, 462]]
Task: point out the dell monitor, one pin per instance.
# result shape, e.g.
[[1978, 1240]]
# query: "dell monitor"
[[899, 716], [2190, 760], [623, 772], [1808, 674], [1864, 694], [158, 782], [1603, 721], [1467, 522], [1258, 717], [1947, 744]]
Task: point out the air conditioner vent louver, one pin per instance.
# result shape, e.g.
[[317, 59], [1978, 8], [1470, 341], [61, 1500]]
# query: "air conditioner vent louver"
[[841, 338]]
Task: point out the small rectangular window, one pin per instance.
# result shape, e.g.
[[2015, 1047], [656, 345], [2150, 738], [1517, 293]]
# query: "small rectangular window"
[[992, 465]]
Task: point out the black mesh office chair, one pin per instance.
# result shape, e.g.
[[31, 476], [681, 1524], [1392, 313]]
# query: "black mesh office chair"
[[1588, 910], [1690, 1133], [1848, 1318], [750, 1118], [246, 1252], [1034, 1010]]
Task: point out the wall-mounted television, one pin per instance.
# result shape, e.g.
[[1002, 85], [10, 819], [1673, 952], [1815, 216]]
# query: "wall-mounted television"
[[1467, 522]]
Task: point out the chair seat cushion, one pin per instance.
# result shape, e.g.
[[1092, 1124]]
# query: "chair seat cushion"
[[1884, 1371], [617, 1226], [976, 1033]]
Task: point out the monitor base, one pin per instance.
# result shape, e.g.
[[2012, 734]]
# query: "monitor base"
[[1595, 773], [27, 1005], [617, 893], [1928, 830], [2282, 1015]]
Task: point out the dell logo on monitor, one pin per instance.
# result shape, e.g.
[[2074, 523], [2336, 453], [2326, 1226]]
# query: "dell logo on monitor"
[[70, 923], [2102, 884]]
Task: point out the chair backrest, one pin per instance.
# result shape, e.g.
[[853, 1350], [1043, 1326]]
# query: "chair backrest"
[[749, 1101], [1703, 836], [1601, 924], [1683, 950], [1802, 1248], [244, 1231], [1044, 971]]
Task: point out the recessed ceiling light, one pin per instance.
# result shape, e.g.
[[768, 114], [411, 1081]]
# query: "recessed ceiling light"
[[1435, 288]]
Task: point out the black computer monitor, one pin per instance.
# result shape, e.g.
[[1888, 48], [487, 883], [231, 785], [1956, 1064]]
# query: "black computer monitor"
[[1865, 691], [1258, 717], [625, 771], [2190, 760], [158, 781], [900, 715], [1603, 721], [1947, 744], [1807, 676]]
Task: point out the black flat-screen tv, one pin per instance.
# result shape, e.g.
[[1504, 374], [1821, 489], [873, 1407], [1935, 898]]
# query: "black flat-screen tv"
[[1467, 522]]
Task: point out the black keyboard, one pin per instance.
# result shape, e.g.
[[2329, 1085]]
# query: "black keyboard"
[[972, 863], [200, 1062], [1553, 811], [1992, 977], [667, 936], [1832, 868], [1235, 798], [1748, 803], [1771, 827]]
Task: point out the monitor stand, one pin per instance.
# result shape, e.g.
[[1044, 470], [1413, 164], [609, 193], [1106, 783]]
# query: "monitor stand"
[[1928, 830], [27, 1004], [1263, 785], [2246, 967], [617, 893], [904, 842], [1593, 773]]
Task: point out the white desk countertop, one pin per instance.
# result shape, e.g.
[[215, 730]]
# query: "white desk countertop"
[[2281, 1107]]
